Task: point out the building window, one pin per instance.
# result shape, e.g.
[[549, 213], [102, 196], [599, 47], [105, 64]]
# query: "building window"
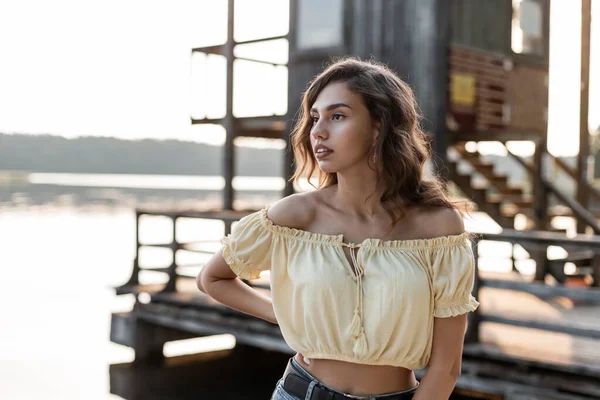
[[528, 27], [320, 24]]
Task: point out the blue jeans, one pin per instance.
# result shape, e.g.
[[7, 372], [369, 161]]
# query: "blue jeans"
[[281, 394]]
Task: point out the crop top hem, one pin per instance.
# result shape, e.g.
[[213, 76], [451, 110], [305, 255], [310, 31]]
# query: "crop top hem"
[[355, 360]]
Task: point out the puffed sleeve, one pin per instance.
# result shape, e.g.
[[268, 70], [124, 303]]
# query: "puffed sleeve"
[[453, 278], [247, 249]]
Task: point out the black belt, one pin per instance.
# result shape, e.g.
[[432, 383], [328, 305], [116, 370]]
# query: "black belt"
[[296, 383]]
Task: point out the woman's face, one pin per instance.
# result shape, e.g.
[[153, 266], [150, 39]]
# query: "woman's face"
[[343, 132]]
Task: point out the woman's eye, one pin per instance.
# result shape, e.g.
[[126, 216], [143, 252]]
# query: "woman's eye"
[[314, 119], [337, 117]]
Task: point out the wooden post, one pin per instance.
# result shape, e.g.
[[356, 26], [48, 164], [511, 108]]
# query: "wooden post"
[[229, 121], [146, 339], [584, 94], [134, 279], [293, 104], [540, 208], [171, 285], [513, 260], [540, 194], [474, 318], [440, 77], [596, 270]]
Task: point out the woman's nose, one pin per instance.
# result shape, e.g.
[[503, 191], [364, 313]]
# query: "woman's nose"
[[319, 131]]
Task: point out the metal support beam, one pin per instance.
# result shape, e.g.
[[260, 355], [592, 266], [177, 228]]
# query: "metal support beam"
[[584, 94], [474, 318], [293, 100], [229, 121], [439, 107], [540, 194]]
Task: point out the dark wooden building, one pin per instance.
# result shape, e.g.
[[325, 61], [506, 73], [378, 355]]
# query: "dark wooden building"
[[479, 69], [480, 73]]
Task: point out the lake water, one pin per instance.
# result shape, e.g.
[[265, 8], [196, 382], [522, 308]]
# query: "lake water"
[[57, 267], [58, 263]]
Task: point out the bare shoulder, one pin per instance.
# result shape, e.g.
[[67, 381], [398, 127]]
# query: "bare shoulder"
[[442, 221], [295, 211]]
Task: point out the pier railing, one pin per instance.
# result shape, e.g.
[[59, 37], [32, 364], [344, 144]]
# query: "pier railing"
[[542, 290], [172, 270], [531, 238]]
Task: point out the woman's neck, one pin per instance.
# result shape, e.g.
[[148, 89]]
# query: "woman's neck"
[[359, 194]]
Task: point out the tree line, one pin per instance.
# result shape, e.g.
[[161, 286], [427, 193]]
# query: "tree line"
[[104, 155]]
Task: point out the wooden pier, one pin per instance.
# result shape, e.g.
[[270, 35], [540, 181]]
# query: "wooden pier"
[[534, 337], [527, 338]]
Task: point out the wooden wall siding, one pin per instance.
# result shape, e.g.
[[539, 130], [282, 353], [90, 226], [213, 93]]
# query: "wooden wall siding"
[[528, 98], [485, 25], [488, 93], [483, 108]]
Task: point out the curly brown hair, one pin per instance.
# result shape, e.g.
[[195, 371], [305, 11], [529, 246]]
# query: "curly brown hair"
[[402, 146]]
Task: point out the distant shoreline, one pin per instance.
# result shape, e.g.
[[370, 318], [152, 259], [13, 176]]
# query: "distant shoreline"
[[101, 155]]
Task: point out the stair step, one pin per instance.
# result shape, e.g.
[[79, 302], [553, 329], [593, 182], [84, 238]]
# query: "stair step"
[[557, 230], [475, 161], [484, 169], [498, 180], [460, 146], [522, 204], [514, 199], [509, 212], [510, 191]]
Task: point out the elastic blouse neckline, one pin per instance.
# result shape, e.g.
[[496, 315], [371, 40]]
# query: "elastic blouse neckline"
[[313, 237]]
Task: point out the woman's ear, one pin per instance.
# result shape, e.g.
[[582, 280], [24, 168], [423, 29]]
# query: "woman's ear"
[[376, 130]]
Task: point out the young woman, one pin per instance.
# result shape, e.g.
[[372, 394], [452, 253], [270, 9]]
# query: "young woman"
[[371, 274]]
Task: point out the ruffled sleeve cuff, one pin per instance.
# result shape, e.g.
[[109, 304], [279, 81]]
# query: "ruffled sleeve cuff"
[[457, 307], [237, 265]]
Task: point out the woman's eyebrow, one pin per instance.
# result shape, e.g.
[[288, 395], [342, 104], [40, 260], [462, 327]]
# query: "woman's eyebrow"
[[332, 107]]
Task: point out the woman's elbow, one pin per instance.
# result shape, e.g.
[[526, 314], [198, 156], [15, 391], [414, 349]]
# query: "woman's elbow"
[[456, 374], [199, 282], [215, 270], [447, 372]]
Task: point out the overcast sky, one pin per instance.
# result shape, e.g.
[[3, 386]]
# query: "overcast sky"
[[122, 67]]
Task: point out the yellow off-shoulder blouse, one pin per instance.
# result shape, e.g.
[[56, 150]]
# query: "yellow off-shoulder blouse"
[[378, 309]]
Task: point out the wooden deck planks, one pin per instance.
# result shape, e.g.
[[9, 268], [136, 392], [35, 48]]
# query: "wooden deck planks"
[[542, 348]]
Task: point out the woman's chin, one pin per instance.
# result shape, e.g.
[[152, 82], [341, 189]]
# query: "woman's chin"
[[327, 169]]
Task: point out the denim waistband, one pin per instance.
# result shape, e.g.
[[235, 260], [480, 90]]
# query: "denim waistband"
[[300, 370]]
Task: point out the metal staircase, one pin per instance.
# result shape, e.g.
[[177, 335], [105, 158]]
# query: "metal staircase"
[[499, 199], [503, 201]]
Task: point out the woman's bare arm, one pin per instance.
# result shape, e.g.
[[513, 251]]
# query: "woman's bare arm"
[[444, 365], [218, 281]]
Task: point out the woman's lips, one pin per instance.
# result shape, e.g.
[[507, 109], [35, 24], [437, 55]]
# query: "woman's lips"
[[323, 153]]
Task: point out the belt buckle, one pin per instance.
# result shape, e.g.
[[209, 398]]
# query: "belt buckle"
[[350, 396]]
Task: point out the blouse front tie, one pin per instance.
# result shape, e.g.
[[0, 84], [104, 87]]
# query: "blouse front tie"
[[357, 329]]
